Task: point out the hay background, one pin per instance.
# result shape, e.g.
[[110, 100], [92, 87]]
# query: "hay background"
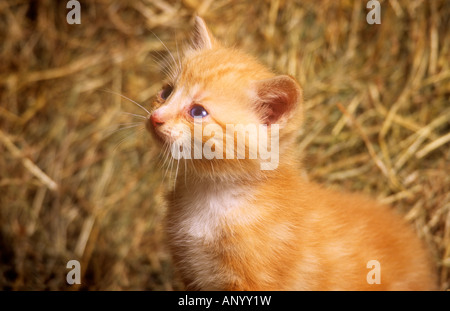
[[377, 122]]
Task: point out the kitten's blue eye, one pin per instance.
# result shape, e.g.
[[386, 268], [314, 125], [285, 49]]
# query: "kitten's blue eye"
[[198, 112]]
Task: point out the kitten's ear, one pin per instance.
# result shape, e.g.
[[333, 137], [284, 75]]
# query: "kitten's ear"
[[277, 98], [202, 38]]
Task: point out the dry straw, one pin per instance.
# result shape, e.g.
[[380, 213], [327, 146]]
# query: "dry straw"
[[377, 99]]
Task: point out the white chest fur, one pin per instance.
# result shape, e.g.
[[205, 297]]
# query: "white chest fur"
[[196, 227], [203, 209]]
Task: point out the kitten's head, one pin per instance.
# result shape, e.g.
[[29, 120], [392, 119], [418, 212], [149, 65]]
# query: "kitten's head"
[[218, 107]]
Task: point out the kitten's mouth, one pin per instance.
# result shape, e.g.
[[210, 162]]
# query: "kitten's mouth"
[[155, 132], [160, 134]]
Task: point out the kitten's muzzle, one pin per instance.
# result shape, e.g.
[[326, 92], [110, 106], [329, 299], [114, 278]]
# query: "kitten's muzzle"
[[153, 125], [156, 120]]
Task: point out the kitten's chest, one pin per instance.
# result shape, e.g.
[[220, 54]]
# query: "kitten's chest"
[[199, 213], [196, 223]]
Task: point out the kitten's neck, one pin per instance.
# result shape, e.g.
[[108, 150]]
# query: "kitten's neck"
[[238, 175]]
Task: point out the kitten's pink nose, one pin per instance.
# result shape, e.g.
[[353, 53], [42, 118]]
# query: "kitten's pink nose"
[[156, 119]]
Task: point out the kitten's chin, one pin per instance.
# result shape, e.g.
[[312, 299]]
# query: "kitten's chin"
[[156, 134], [232, 170]]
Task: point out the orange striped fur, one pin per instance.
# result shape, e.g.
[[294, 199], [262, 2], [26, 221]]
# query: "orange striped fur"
[[233, 226]]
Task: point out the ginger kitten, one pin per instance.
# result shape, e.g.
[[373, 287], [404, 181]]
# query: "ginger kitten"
[[240, 217]]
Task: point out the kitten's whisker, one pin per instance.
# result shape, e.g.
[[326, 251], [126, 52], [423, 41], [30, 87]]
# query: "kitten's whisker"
[[129, 123], [140, 132], [123, 96], [185, 171], [117, 125], [164, 67], [167, 172], [176, 174], [180, 67], [168, 164], [123, 128], [134, 115], [121, 142], [166, 153], [168, 51], [172, 160], [156, 59], [161, 155]]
